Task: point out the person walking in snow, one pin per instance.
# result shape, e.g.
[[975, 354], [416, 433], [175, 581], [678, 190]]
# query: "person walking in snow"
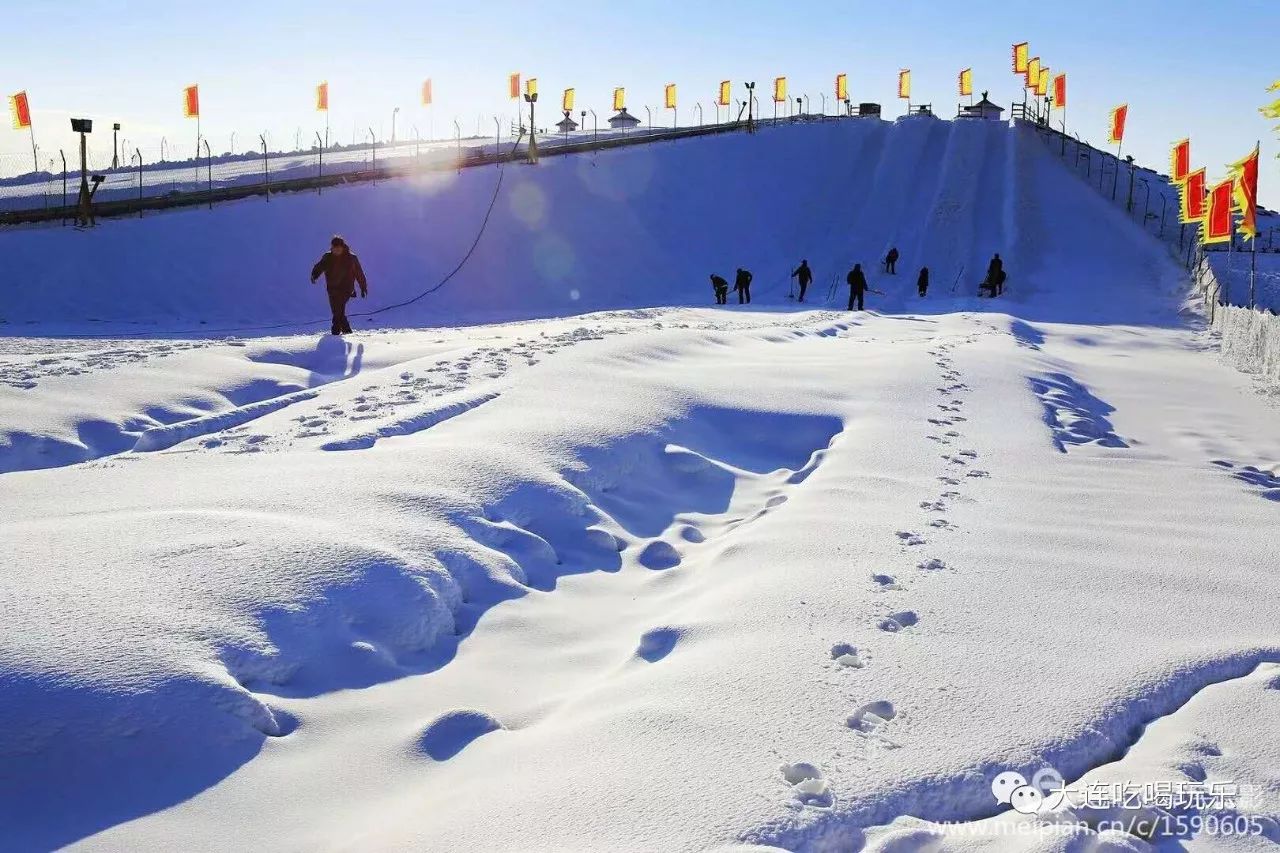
[[342, 272], [804, 276], [857, 286], [891, 261], [742, 284], [995, 275], [922, 283], [721, 286]]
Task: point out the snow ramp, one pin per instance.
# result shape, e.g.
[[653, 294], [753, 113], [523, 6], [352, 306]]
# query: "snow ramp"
[[637, 227]]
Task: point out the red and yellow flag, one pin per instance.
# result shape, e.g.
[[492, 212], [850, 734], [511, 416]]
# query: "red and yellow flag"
[[1180, 161], [1217, 223], [20, 107], [426, 92], [1042, 85], [669, 96], [1033, 73], [1191, 192], [619, 99], [1021, 56], [842, 87], [726, 89], [779, 89], [513, 85], [1119, 118], [966, 82], [531, 87], [1060, 91], [1244, 174], [191, 102], [322, 97], [904, 83]]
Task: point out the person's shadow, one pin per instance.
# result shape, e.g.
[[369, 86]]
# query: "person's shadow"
[[334, 359]]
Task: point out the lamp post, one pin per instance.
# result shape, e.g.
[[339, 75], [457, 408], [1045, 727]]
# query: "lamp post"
[[751, 100], [648, 112], [115, 147], [595, 126], [824, 102], [163, 142], [497, 140], [394, 113], [698, 107], [233, 143], [532, 101]]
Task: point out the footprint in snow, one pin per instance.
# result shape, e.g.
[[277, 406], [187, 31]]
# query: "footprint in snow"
[[808, 784], [846, 655], [658, 643], [972, 454], [977, 472], [455, 731], [933, 506], [886, 581], [872, 717], [906, 537], [895, 622], [950, 481], [932, 565]]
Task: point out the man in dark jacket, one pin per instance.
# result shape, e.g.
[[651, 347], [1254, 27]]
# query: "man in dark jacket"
[[721, 286], [857, 286], [891, 261], [742, 284], [342, 272], [995, 275], [922, 283], [804, 276]]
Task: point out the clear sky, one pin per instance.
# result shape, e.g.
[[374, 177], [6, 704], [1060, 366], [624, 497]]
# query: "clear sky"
[[1186, 69]]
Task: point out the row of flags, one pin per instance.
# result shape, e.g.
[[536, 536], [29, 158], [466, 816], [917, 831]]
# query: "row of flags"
[[1214, 208], [1036, 77]]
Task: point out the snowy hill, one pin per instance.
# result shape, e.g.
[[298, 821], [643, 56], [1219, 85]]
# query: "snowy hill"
[[640, 227], [649, 578]]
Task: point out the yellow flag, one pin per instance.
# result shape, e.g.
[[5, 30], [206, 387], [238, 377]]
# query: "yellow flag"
[[531, 87], [1033, 73], [1042, 84], [780, 89], [619, 99], [904, 83], [842, 87], [566, 102], [1021, 55], [669, 96], [725, 91], [966, 82]]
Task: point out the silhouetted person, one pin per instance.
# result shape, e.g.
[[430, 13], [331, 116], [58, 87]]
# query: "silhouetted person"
[[857, 286], [922, 283], [721, 285], [342, 272], [804, 276], [742, 284], [995, 275], [891, 261]]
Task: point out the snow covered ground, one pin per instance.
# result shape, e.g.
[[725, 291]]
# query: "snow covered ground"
[[650, 577]]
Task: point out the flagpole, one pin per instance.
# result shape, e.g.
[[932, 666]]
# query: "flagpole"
[[31, 126], [1253, 254]]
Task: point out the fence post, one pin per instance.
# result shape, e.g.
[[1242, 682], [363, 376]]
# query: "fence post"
[[208, 153], [266, 166], [64, 185]]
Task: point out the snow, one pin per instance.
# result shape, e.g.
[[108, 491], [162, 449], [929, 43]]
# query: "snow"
[[619, 572]]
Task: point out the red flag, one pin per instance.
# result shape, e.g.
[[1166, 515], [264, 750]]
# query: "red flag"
[[426, 92], [191, 102], [1180, 161], [1192, 193], [1245, 193], [1119, 116], [21, 109], [513, 86], [1217, 224], [1060, 91], [322, 97]]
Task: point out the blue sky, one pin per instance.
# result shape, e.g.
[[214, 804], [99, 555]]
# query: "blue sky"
[[1185, 68]]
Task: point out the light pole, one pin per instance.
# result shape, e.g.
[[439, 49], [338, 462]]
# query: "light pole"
[[532, 101], [394, 113], [751, 100], [595, 125], [824, 102], [497, 140], [115, 147], [233, 143], [163, 142], [698, 107], [648, 112]]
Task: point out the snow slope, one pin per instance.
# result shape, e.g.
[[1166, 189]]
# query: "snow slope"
[[664, 578]]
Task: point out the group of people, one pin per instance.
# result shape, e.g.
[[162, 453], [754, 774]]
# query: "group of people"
[[856, 279], [741, 283]]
